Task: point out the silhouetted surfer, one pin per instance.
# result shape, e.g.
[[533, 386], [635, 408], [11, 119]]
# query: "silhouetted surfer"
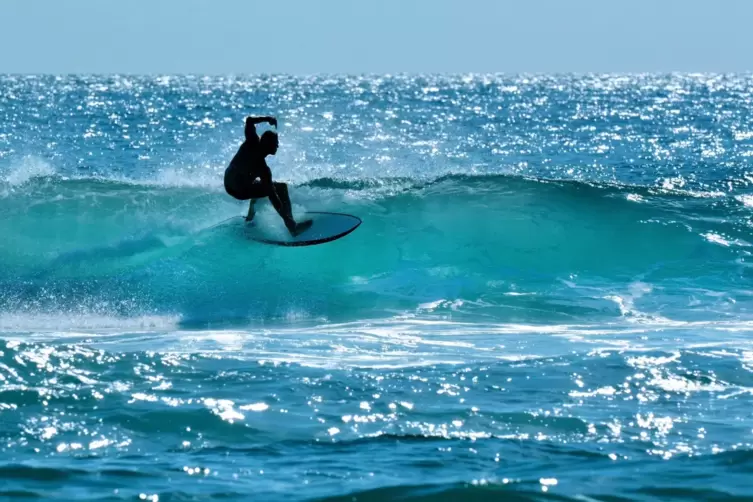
[[248, 176]]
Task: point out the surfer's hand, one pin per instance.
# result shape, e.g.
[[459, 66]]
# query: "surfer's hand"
[[272, 121]]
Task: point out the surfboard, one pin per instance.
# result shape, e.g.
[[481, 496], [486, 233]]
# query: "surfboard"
[[325, 227]]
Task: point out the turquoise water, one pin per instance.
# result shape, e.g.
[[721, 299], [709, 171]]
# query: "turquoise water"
[[548, 298]]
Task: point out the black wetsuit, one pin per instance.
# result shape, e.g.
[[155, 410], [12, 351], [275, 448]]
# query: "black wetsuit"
[[248, 176]]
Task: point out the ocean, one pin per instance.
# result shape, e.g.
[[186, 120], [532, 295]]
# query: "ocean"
[[549, 297]]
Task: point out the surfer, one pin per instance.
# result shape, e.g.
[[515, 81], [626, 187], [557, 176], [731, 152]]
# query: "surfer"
[[248, 176]]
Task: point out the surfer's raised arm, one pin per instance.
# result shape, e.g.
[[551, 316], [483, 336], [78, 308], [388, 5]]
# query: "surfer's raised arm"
[[251, 126]]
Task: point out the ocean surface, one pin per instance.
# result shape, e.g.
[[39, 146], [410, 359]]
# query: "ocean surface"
[[549, 297]]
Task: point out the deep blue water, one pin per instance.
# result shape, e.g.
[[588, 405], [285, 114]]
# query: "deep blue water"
[[548, 298]]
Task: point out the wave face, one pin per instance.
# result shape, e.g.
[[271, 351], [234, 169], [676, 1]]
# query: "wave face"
[[552, 279], [497, 248]]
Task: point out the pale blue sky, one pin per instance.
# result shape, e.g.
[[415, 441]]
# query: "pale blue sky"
[[374, 36]]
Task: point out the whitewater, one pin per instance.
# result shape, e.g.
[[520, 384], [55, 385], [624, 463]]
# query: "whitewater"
[[548, 298]]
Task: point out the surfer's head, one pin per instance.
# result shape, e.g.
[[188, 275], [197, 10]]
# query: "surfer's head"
[[269, 143]]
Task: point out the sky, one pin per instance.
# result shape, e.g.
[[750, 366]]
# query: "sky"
[[306, 37]]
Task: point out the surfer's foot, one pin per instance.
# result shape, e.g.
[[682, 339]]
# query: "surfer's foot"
[[300, 227]]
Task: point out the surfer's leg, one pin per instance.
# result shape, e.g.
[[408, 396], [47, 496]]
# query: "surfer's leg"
[[282, 193], [251, 211], [286, 211], [251, 192]]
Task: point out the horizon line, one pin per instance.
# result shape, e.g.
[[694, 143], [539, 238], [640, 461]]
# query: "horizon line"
[[378, 74]]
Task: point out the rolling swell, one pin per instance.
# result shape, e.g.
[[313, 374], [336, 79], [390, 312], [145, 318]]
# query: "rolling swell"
[[492, 244], [161, 412]]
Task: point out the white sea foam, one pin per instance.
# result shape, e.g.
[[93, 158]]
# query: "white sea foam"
[[26, 169]]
